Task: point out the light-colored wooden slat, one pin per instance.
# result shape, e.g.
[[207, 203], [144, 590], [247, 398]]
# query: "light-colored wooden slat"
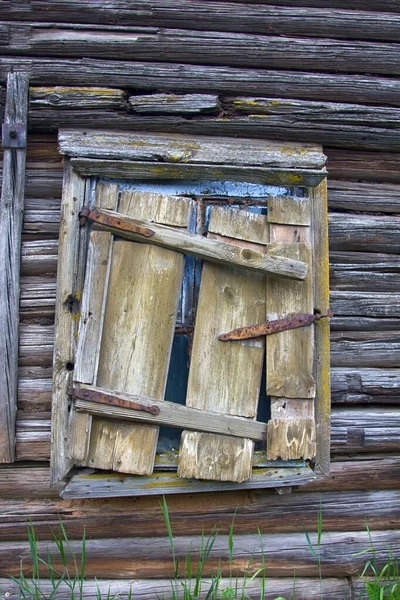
[[322, 346], [93, 297], [290, 354], [214, 250], [66, 323], [139, 322], [11, 219], [176, 415], [79, 435], [225, 377]]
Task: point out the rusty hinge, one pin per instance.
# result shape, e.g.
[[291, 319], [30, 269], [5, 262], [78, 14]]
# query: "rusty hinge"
[[252, 331], [103, 398], [13, 135], [98, 216]]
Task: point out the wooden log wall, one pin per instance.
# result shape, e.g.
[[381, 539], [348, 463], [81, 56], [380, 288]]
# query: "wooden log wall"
[[311, 71]]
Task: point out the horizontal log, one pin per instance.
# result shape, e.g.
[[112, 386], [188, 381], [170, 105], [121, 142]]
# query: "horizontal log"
[[369, 233], [279, 125], [372, 262], [196, 245], [125, 518], [364, 324], [36, 345], [365, 349], [197, 47], [172, 414], [364, 281], [358, 196], [75, 97], [357, 430], [341, 554], [365, 385], [363, 166], [373, 5], [39, 257], [215, 16], [37, 299], [366, 304], [189, 150], [34, 395], [163, 77], [306, 588]]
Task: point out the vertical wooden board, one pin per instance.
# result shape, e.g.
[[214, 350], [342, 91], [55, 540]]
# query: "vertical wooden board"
[[290, 354], [65, 322], [225, 377], [79, 435], [293, 211], [321, 300], [11, 218], [139, 321], [93, 296]]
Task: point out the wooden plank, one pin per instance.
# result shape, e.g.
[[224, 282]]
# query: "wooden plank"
[[360, 196], [365, 385], [219, 16], [94, 291], [222, 48], [365, 349], [370, 233], [321, 304], [139, 322], [66, 322], [365, 304], [214, 250], [306, 588], [364, 166], [148, 76], [290, 432], [11, 217], [228, 299], [173, 103], [189, 149], [39, 257], [75, 97], [176, 415], [148, 170], [90, 486]]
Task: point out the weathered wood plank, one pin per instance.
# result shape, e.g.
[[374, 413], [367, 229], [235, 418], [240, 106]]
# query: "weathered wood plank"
[[233, 49], [364, 324], [364, 166], [228, 298], [217, 16], [284, 554], [364, 304], [163, 170], [75, 97], [371, 197], [365, 281], [174, 104], [224, 253], [65, 322], [37, 298], [11, 219], [306, 588], [39, 257], [189, 150], [368, 233], [365, 385], [365, 349], [139, 323], [363, 89]]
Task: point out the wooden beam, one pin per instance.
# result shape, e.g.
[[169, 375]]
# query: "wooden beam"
[[11, 218], [196, 245]]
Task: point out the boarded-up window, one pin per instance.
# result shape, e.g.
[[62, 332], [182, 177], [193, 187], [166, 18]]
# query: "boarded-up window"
[[253, 258]]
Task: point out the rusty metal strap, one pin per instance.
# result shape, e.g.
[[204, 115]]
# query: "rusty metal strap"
[[103, 398], [102, 218], [270, 327]]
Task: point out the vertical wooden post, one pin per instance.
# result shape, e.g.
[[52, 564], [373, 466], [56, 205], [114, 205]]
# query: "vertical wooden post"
[[11, 217]]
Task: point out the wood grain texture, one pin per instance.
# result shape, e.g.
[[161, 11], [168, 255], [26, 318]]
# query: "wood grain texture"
[[371, 197], [216, 16], [365, 386], [11, 218], [139, 322], [364, 166], [322, 346], [365, 349], [364, 233], [174, 104], [218, 48], [149, 76], [225, 377], [65, 322], [62, 97], [189, 149], [291, 438]]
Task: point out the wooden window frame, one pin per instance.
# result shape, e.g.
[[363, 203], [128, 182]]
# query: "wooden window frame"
[[134, 156]]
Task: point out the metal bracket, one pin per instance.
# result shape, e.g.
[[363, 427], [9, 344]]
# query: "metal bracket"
[[269, 327], [103, 398], [13, 135], [102, 218]]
